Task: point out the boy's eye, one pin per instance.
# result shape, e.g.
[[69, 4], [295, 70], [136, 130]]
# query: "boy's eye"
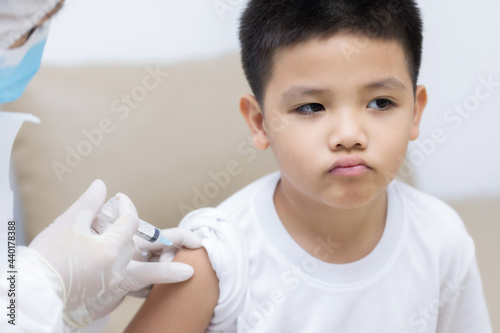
[[381, 104], [310, 108]]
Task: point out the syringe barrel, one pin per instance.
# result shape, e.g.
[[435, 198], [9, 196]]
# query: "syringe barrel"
[[148, 231]]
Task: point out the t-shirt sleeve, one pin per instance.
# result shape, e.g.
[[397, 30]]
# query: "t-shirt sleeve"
[[464, 307], [226, 248]]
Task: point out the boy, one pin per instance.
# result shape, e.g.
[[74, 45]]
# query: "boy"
[[331, 243]]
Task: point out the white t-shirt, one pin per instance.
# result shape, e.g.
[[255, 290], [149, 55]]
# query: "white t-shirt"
[[422, 275]]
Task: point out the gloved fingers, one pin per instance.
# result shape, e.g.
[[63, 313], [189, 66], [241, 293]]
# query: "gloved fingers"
[[147, 273], [141, 293], [168, 255], [125, 205], [143, 255], [143, 244], [89, 203], [165, 254], [179, 236], [154, 256], [121, 232], [182, 237]]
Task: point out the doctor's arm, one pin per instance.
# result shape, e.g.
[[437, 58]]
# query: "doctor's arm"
[[184, 307]]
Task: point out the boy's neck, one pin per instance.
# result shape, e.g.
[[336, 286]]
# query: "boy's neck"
[[351, 233]]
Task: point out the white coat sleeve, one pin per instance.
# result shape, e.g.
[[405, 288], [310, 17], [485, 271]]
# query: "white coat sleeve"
[[226, 249], [464, 310]]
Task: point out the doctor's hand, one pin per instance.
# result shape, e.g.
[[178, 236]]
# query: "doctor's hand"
[[95, 270], [155, 258]]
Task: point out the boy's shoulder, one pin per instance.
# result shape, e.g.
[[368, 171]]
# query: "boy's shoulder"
[[245, 196], [423, 205], [434, 222]]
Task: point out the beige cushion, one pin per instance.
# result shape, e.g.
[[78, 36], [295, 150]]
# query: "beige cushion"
[[180, 146]]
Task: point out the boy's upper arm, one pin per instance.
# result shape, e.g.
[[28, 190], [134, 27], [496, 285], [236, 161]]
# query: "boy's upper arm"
[[181, 307]]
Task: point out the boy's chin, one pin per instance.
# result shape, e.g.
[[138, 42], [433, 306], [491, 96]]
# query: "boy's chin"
[[351, 204], [354, 199]]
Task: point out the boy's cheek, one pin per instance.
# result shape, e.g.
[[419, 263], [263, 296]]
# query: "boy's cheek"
[[276, 123], [390, 157]]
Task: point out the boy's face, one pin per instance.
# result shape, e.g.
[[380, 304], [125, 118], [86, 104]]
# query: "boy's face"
[[331, 99]]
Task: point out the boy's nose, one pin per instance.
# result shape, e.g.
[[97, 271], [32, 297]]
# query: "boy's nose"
[[347, 133]]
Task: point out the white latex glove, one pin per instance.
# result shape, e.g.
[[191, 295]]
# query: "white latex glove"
[[155, 258], [94, 268]]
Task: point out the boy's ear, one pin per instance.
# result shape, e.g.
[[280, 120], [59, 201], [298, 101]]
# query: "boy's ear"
[[250, 109], [420, 103]]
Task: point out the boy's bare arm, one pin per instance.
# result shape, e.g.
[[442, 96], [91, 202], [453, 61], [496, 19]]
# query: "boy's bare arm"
[[181, 307]]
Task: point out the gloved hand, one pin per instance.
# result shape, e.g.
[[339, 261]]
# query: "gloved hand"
[[96, 270], [161, 255]]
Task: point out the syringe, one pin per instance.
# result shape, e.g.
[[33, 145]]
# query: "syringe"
[[147, 231]]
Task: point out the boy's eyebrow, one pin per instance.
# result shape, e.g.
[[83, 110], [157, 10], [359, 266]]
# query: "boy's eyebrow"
[[388, 83], [299, 91]]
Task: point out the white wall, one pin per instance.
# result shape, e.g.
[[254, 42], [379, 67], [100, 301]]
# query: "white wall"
[[461, 46], [134, 31]]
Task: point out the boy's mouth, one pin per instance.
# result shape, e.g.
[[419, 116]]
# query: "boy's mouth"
[[349, 166]]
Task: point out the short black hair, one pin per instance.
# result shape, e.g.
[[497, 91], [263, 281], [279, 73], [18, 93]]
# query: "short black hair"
[[268, 25]]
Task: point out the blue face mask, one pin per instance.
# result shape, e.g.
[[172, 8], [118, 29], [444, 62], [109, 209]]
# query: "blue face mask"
[[15, 74]]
